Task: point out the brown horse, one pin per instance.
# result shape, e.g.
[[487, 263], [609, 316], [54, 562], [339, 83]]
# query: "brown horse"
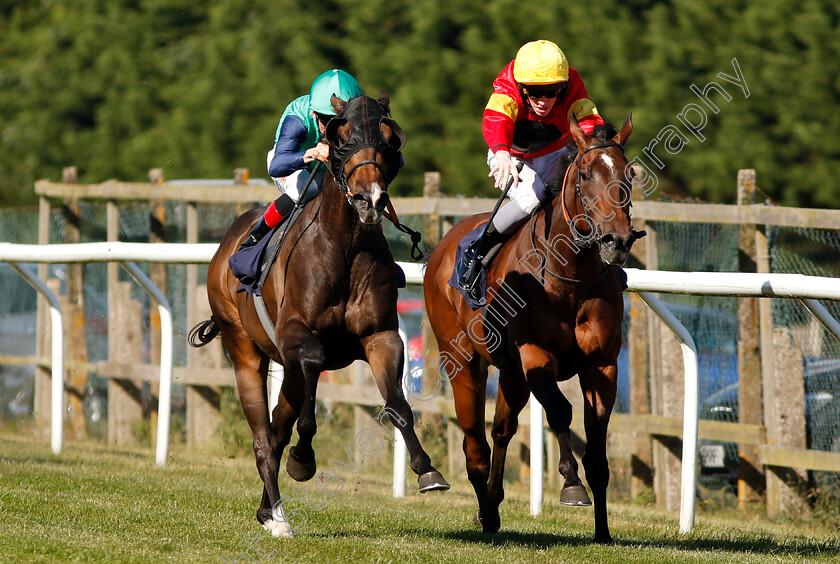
[[554, 310], [332, 296]]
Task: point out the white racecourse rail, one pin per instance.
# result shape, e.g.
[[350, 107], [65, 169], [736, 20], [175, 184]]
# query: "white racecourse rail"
[[806, 288]]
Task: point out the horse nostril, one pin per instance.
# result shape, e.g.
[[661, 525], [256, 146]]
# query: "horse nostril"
[[608, 240]]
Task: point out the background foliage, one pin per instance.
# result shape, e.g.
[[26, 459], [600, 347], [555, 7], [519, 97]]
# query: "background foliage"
[[116, 87]]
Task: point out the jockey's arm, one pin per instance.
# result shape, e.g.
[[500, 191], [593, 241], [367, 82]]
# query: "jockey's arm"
[[287, 154]]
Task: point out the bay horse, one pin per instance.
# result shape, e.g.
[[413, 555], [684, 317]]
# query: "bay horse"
[[554, 309], [332, 296]]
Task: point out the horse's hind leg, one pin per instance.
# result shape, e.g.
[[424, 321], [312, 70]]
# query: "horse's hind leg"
[[598, 386], [512, 397], [540, 373], [303, 353], [384, 352]]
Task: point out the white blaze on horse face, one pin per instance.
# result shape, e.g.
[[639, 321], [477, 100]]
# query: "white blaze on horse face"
[[375, 193], [608, 160]]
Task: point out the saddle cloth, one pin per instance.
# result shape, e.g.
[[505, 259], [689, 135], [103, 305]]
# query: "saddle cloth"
[[481, 284]]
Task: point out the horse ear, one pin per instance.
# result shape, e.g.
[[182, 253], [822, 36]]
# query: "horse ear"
[[626, 130], [337, 104], [385, 101], [577, 133], [397, 139], [331, 132]]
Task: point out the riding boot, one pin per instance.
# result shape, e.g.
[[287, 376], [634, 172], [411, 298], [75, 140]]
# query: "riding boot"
[[277, 211], [256, 234], [470, 265]]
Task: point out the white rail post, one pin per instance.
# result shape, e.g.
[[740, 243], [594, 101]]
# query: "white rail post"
[[57, 383], [688, 486], [165, 391]]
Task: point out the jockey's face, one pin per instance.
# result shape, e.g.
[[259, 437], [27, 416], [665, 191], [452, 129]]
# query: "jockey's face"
[[542, 106], [542, 98], [322, 127]]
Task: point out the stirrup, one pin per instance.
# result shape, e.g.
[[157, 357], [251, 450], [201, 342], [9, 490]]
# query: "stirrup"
[[249, 242], [468, 268]]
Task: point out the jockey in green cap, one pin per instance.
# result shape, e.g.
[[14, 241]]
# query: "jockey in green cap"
[[297, 148]]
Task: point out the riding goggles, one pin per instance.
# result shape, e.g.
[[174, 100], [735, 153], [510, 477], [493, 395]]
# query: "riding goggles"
[[535, 92]]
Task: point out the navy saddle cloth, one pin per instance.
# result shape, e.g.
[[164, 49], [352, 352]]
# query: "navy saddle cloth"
[[481, 284]]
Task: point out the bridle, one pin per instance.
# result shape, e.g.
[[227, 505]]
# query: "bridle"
[[363, 138], [578, 240], [595, 232]]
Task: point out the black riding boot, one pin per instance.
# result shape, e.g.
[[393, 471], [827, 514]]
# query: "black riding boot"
[[257, 233], [470, 265], [284, 206]]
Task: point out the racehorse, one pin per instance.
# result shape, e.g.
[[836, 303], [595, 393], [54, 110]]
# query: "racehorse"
[[554, 309], [332, 296]]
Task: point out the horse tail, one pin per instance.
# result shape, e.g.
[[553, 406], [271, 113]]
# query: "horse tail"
[[203, 333], [427, 253]]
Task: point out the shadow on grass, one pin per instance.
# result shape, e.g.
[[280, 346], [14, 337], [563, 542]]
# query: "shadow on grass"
[[760, 545]]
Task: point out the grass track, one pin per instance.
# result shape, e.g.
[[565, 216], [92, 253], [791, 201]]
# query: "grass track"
[[93, 504]]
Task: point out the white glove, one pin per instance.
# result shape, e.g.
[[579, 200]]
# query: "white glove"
[[503, 169]]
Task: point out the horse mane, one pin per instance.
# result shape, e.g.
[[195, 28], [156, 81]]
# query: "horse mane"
[[603, 132]]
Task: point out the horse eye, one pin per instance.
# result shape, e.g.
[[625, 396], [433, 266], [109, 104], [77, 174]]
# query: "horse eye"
[[584, 174]]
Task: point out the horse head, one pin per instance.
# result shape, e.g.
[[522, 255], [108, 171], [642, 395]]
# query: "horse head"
[[596, 194], [365, 145]]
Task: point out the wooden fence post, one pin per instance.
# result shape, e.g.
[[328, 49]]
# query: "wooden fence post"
[[124, 343], [641, 459], [203, 402], [786, 486], [750, 476], [43, 375], [668, 450], [241, 176], [74, 315], [665, 451]]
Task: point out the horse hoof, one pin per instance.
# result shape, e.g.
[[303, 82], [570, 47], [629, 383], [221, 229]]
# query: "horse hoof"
[[575, 495], [280, 529], [431, 481], [300, 470], [491, 527], [607, 539]]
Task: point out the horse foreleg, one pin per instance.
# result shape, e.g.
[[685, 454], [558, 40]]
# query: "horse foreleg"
[[599, 388], [304, 356], [512, 397], [251, 368], [540, 372], [384, 352], [469, 386]]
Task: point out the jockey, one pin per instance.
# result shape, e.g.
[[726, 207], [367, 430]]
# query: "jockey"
[[297, 147], [527, 119]]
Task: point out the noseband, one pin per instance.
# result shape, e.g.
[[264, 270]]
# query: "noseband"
[[594, 236]]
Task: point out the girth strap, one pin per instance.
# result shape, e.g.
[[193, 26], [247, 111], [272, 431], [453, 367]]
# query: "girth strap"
[[265, 320]]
